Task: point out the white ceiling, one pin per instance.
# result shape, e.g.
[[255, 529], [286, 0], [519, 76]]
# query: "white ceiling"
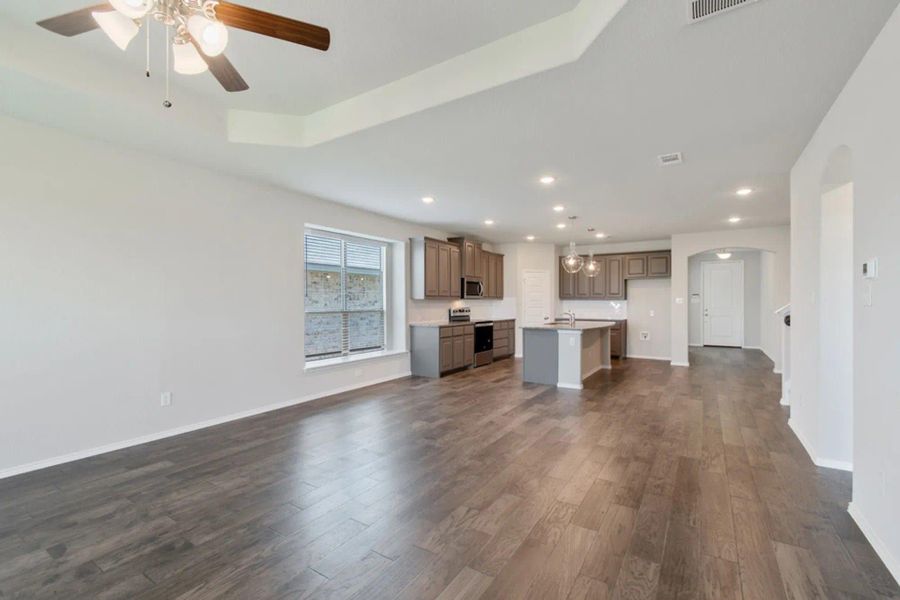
[[739, 95]]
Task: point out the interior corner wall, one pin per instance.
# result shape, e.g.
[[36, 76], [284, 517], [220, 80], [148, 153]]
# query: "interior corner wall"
[[520, 257], [772, 239], [865, 120], [126, 275]]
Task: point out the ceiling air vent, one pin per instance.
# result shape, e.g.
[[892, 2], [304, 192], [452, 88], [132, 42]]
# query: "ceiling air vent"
[[670, 159], [703, 9]]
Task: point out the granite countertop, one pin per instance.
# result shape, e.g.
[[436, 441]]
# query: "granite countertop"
[[580, 325]]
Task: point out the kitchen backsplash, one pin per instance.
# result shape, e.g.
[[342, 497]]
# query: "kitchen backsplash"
[[595, 309]]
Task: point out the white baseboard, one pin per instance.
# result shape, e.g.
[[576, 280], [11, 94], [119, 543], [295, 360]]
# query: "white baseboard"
[[881, 549], [680, 364], [752, 348], [668, 358], [152, 437], [827, 463], [695, 345], [784, 401], [570, 386], [777, 371]]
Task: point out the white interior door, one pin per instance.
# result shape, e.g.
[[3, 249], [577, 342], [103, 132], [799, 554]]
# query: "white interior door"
[[723, 303], [535, 297]]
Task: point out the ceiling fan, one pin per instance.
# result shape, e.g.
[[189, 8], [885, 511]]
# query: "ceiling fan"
[[196, 32]]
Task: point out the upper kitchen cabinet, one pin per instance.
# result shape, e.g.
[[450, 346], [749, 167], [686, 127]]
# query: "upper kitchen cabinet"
[[435, 268], [492, 274], [659, 264], [471, 260], [612, 274], [648, 265]]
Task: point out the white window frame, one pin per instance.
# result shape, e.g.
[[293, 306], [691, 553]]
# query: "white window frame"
[[346, 354]]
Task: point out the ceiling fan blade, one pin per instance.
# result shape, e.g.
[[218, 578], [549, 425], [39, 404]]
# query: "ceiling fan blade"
[[223, 71], [257, 21], [74, 23]]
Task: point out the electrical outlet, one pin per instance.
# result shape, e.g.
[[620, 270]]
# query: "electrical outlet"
[[645, 336], [165, 399]]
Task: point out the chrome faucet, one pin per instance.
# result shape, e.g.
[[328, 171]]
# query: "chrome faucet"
[[571, 315]]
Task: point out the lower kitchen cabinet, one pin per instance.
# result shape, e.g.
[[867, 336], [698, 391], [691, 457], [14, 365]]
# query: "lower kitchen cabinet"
[[618, 340], [504, 338], [436, 350]]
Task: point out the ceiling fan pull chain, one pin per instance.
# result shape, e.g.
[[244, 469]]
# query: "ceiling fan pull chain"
[[167, 102], [147, 25]]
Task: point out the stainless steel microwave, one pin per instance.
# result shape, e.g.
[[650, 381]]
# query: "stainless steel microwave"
[[472, 287]]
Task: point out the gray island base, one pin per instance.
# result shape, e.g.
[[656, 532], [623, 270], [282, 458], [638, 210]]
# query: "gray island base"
[[565, 355]]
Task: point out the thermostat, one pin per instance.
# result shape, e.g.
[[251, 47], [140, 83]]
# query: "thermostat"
[[870, 269]]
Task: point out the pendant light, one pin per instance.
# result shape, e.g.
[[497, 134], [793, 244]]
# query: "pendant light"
[[591, 268], [572, 262]]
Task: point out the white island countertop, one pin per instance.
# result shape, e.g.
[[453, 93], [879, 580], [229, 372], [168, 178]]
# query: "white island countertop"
[[578, 326]]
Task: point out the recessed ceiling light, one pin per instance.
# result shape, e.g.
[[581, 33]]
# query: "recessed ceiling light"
[[560, 225], [734, 220], [601, 235], [530, 238], [489, 222], [428, 200], [744, 191], [559, 208], [548, 179]]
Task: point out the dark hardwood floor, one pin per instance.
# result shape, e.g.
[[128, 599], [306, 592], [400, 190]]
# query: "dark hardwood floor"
[[654, 482]]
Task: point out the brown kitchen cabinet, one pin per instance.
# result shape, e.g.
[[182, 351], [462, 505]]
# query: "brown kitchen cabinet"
[[659, 264], [436, 350], [504, 338], [613, 272], [435, 268], [635, 266], [615, 277], [618, 340]]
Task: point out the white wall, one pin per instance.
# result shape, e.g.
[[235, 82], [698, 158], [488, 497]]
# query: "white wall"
[[125, 275], [835, 433], [753, 301], [865, 119], [771, 328], [649, 310], [771, 239]]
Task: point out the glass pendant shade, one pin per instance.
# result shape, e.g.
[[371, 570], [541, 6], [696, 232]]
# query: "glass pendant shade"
[[186, 59], [211, 35], [591, 268], [572, 263], [120, 29], [133, 9]]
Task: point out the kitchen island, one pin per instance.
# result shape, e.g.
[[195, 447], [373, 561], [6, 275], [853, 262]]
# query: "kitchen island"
[[564, 354]]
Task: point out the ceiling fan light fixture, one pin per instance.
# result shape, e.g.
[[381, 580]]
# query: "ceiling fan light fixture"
[[211, 35], [133, 9], [186, 59], [119, 28]]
